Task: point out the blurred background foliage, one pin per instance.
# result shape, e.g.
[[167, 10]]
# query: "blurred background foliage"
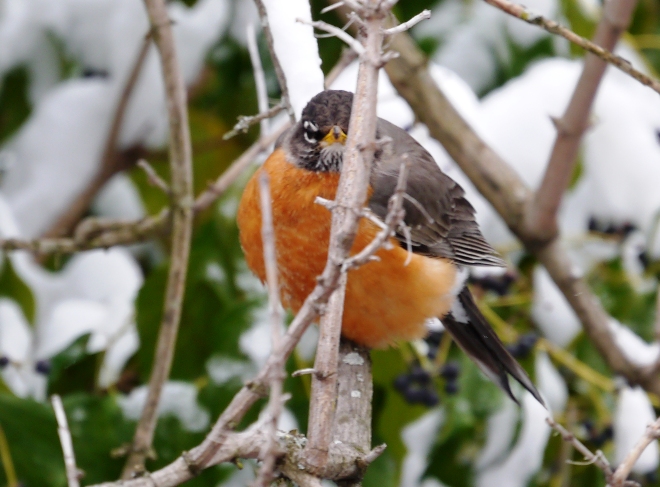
[[218, 310]]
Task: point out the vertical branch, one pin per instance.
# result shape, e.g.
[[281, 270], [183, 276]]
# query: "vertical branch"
[[182, 202], [263, 16], [274, 410], [542, 212], [259, 77], [66, 442], [352, 422], [351, 196]]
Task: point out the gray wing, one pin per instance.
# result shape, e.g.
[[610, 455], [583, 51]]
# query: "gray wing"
[[441, 220]]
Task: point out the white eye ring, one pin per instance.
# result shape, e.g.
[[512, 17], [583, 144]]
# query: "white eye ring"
[[307, 125], [308, 139]]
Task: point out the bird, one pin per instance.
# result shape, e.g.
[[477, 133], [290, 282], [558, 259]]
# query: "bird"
[[423, 275]]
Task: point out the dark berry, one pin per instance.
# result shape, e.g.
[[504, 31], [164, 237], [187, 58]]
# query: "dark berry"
[[593, 224], [450, 370], [430, 398], [402, 383], [451, 387], [43, 367], [643, 257], [528, 340], [415, 395], [515, 350], [651, 477], [4, 361], [608, 432], [434, 338], [419, 376]]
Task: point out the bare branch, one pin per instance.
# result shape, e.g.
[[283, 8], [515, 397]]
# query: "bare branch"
[[274, 410], [507, 193], [259, 76], [542, 213], [337, 32], [265, 25], [153, 177], [423, 15], [72, 472], [244, 123], [597, 459], [555, 28], [622, 471], [182, 215]]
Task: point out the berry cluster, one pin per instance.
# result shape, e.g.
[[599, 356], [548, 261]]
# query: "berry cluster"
[[450, 372], [524, 346], [416, 387]]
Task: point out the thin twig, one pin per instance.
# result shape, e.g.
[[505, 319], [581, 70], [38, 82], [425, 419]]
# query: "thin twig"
[[274, 410], [259, 76], [556, 28], [153, 178], [72, 472], [336, 31], [599, 460], [279, 72], [112, 161], [244, 123], [182, 215], [423, 15], [542, 212], [621, 473]]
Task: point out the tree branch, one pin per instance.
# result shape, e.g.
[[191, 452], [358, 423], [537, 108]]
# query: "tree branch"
[[72, 472], [542, 213], [507, 193], [555, 28], [350, 198], [622, 471], [274, 409], [182, 214]]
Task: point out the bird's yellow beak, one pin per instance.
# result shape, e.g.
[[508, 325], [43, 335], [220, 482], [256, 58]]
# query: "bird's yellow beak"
[[335, 135]]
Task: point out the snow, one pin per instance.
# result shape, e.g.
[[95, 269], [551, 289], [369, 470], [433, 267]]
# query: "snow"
[[526, 456], [178, 399], [296, 49], [551, 312], [419, 436], [634, 348], [634, 413]]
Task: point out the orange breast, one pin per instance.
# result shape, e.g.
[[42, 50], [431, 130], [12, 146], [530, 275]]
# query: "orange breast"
[[386, 301]]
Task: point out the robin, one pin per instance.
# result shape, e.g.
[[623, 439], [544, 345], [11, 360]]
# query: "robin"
[[390, 299]]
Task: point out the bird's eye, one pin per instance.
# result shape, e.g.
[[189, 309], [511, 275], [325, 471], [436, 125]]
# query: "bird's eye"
[[311, 132]]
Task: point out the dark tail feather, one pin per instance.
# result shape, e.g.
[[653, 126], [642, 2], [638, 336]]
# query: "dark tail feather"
[[474, 335]]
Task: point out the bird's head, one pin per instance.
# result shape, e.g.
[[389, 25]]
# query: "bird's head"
[[318, 139]]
